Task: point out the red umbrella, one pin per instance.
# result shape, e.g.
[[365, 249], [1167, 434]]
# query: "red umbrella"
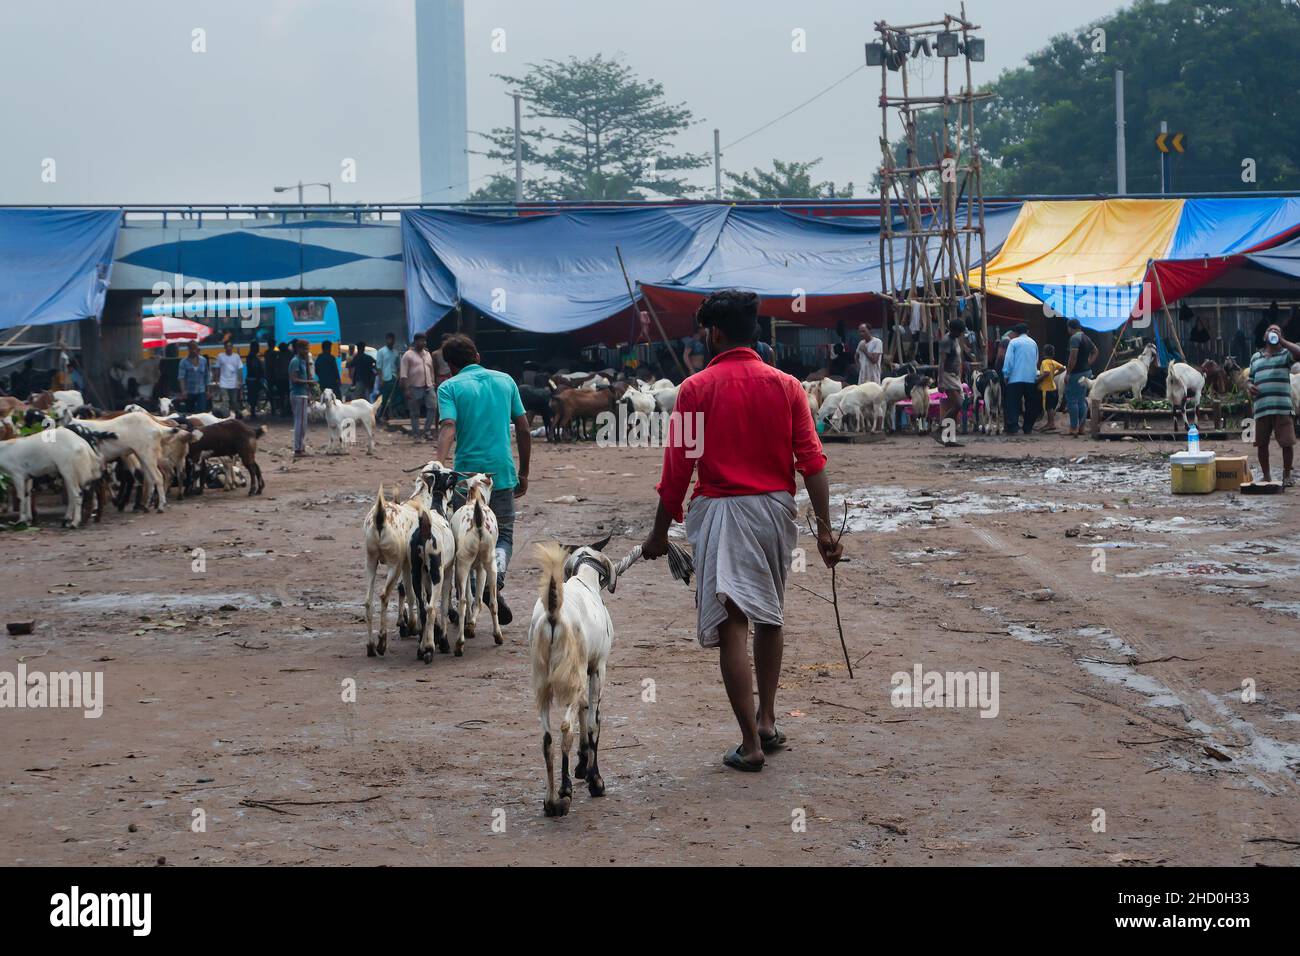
[[159, 330]]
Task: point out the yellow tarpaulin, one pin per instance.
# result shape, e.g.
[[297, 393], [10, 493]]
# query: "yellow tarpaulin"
[[1097, 242]]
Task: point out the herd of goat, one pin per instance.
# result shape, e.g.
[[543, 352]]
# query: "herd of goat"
[[145, 452], [442, 563], [134, 450], [570, 405]]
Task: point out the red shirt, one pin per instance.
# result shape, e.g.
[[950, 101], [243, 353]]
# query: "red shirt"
[[748, 427]]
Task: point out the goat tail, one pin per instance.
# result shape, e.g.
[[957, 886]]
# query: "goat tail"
[[379, 403], [259, 431], [559, 663], [552, 557], [380, 508], [478, 514]]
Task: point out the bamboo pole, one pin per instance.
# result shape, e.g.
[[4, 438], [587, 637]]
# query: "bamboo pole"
[[632, 296]]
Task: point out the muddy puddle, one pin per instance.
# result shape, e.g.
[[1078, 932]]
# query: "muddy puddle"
[[885, 509]]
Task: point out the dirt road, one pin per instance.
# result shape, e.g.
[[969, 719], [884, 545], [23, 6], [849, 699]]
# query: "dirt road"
[[1121, 624]]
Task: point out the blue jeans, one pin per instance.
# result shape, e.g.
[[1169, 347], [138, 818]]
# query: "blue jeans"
[[430, 399], [1076, 400], [502, 504]]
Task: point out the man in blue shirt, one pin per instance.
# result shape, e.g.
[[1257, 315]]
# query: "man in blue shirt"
[[193, 375], [476, 407], [1020, 375]]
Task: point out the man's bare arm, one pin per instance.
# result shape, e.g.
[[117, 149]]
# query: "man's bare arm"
[[525, 442], [446, 435]]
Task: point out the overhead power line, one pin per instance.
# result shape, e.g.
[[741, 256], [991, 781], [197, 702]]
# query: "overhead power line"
[[796, 109]]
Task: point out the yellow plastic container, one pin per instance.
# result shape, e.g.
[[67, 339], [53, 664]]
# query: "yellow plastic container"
[[1192, 473]]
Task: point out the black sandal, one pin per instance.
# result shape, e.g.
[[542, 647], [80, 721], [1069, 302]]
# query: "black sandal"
[[772, 742], [736, 761]]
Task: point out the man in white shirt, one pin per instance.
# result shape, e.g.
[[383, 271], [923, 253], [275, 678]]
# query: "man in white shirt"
[[869, 352], [230, 378]]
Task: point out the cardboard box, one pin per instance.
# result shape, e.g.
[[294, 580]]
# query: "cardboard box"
[[1230, 473]]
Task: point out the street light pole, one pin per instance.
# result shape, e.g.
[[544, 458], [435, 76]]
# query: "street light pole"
[[1121, 149], [519, 153], [717, 164]]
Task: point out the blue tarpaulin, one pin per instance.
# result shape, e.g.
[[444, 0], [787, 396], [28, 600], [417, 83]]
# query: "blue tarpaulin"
[[782, 254], [55, 264], [559, 273], [1224, 227], [1282, 260], [550, 273]]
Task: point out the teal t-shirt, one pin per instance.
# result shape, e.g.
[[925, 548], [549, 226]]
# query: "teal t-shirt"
[[482, 403]]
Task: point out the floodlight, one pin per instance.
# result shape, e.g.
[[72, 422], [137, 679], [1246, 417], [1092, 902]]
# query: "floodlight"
[[923, 47], [901, 42], [946, 45], [975, 50], [875, 54], [894, 61]]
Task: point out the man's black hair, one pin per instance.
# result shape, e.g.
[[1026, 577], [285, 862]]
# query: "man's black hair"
[[733, 312], [459, 350], [1074, 324], [1022, 328], [417, 335], [957, 327], [390, 335]]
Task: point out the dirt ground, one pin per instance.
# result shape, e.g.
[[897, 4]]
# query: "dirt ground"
[[1121, 623]]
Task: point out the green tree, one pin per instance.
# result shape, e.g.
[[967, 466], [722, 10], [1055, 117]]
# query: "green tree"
[[1223, 73], [598, 131], [792, 180]]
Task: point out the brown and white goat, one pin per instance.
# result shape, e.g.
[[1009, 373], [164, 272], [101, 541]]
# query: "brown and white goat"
[[475, 529], [574, 406], [228, 437], [569, 641]]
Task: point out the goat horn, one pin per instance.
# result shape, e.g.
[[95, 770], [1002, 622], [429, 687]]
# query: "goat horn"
[[408, 471]]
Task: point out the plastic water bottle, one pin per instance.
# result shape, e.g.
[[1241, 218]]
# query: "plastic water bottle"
[[1193, 439]]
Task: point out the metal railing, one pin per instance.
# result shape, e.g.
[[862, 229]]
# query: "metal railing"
[[361, 214]]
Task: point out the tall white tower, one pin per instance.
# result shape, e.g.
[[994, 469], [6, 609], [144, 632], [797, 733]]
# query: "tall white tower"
[[440, 72]]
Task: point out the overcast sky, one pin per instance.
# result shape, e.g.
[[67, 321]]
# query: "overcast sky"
[[289, 89]]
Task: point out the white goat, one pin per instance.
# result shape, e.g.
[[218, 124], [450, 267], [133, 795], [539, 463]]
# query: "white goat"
[[1184, 385], [666, 398], [828, 410], [344, 417], [389, 529], [1130, 377], [141, 435], [569, 640], [475, 528], [861, 401], [897, 388], [56, 451]]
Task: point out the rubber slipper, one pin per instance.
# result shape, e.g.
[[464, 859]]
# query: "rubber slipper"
[[772, 742], [736, 761]]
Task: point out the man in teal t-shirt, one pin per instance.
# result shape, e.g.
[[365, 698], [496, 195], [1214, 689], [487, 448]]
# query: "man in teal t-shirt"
[[476, 408]]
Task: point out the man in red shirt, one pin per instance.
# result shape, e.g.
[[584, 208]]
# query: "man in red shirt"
[[748, 428]]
